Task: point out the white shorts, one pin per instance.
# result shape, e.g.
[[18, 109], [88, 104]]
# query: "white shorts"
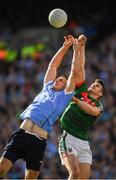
[[69, 144]]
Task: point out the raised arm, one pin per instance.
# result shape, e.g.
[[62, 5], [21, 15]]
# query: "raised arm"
[[56, 60], [72, 80], [81, 63]]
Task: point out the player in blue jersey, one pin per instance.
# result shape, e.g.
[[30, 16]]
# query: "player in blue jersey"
[[29, 142]]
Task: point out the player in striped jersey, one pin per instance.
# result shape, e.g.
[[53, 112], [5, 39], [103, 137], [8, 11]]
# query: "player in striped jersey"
[[77, 119]]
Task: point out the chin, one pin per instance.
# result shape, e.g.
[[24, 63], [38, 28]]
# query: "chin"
[[55, 88], [90, 91]]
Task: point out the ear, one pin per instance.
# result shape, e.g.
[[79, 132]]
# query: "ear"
[[100, 94]]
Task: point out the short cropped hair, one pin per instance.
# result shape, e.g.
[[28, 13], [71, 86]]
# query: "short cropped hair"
[[100, 81], [64, 75]]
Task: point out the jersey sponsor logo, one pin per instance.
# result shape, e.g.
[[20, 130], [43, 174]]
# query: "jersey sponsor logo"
[[51, 94], [87, 100], [85, 97]]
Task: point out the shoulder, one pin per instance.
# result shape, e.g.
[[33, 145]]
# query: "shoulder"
[[48, 83], [67, 95], [81, 87], [100, 106], [80, 84]]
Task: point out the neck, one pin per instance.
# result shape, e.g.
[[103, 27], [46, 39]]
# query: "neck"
[[55, 89], [93, 95]]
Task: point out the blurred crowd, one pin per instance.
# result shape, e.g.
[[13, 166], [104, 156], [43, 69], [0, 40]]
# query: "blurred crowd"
[[21, 80]]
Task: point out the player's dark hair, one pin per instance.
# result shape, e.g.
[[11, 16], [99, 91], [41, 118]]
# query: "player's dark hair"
[[64, 75], [100, 81]]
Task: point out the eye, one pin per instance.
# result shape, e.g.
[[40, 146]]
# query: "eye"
[[97, 85]]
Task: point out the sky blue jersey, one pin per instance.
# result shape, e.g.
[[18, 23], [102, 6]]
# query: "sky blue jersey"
[[47, 106]]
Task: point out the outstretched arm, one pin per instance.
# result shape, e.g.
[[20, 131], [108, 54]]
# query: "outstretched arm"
[[72, 80], [81, 63], [56, 60], [89, 109]]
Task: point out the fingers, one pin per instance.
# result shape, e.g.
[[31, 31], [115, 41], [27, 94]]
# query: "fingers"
[[82, 39], [82, 36], [68, 40], [69, 37]]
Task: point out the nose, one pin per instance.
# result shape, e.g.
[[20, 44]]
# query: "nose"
[[93, 86]]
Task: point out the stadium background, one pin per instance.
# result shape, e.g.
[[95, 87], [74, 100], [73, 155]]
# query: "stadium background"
[[27, 44]]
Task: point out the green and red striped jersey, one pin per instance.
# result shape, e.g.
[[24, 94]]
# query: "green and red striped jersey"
[[76, 121]]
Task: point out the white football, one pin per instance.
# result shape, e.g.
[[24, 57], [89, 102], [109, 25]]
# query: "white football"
[[57, 18]]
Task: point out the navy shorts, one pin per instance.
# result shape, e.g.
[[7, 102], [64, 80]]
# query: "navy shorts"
[[28, 147]]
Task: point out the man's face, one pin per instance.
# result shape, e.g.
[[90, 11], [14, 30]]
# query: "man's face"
[[96, 89], [60, 83]]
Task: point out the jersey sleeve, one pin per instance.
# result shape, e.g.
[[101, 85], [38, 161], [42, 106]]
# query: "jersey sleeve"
[[81, 87], [100, 106], [48, 83]]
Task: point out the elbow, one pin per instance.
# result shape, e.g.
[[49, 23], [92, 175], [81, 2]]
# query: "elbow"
[[95, 113], [52, 65], [74, 99]]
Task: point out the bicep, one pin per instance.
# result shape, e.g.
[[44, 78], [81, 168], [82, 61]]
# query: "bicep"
[[50, 74], [71, 82]]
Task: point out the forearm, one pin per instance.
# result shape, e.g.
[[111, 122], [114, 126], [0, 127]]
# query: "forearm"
[[75, 62], [56, 60], [81, 66], [82, 58], [78, 62], [83, 105], [82, 40]]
